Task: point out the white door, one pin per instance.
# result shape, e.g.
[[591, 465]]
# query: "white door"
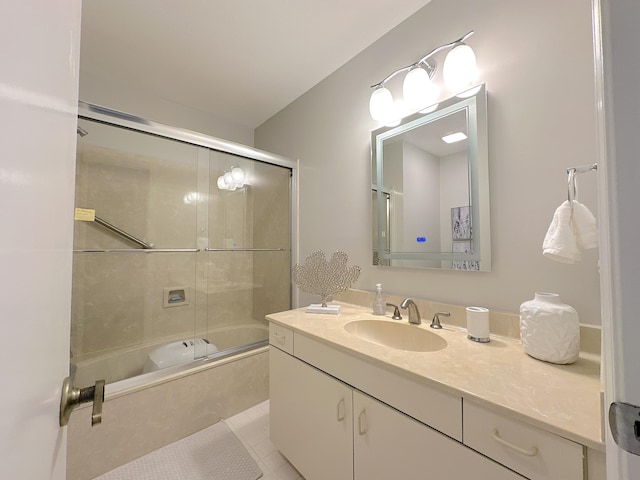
[[39, 55], [620, 237]]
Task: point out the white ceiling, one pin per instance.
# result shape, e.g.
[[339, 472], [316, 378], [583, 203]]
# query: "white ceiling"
[[243, 60]]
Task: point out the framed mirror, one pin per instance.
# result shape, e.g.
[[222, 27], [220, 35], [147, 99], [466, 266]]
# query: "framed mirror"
[[430, 188]]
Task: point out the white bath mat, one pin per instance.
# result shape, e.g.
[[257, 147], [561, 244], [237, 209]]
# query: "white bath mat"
[[212, 454]]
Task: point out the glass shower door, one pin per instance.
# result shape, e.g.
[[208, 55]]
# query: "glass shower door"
[[249, 251], [134, 265], [169, 265]]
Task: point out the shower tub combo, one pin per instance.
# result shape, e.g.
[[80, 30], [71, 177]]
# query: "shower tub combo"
[[182, 245]]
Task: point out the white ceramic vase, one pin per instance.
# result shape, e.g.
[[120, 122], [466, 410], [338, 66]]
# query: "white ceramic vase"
[[550, 329]]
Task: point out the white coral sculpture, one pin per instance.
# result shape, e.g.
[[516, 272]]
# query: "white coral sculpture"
[[319, 277]]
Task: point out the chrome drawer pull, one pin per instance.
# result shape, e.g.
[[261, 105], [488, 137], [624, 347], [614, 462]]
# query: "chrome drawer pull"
[[532, 452]]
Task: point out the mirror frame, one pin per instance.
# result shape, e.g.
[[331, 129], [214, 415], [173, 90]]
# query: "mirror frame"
[[475, 105]]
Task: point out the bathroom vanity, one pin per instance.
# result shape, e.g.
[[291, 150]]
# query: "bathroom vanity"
[[344, 406]]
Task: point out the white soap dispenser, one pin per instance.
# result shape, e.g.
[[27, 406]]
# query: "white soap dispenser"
[[378, 301]]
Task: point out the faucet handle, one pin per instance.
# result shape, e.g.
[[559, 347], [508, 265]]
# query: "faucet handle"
[[435, 323], [396, 312]]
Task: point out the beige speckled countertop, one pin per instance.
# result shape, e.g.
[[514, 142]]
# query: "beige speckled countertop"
[[562, 399]]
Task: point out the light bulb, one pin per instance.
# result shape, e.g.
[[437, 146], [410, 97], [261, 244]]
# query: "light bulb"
[[397, 111], [460, 70], [418, 90], [380, 104], [221, 184], [228, 179], [238, 175]]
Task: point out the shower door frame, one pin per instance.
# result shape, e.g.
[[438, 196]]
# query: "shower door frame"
[[119, 119]]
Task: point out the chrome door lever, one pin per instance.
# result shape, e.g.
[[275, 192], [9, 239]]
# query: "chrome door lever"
[[72, 397]]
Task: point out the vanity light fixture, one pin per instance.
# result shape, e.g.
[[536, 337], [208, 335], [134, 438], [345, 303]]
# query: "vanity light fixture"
[[232, 179], [454, 137], [419, 91]]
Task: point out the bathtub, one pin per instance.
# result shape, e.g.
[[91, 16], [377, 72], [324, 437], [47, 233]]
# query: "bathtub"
[[146, 412], [127, 363]]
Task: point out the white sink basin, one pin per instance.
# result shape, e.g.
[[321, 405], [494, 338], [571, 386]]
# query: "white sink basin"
[[400, 336]]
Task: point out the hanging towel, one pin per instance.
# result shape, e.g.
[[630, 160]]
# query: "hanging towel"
[[585, 226], [560, 243]]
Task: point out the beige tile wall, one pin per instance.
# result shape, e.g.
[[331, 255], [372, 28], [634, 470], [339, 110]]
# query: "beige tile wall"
[[272, 229], [118, 298]]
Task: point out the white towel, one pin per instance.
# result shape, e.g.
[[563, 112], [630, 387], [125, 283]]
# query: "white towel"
[[560, 243], [585, 226]]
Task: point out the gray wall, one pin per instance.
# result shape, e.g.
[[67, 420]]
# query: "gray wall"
[[536, 59]]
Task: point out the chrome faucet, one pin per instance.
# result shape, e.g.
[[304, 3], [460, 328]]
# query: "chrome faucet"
[[414, 314]]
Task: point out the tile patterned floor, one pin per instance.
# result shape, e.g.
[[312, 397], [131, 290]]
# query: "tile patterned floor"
[[252, 428]]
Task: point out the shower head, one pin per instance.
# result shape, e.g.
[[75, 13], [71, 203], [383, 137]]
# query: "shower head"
[[81, 131]]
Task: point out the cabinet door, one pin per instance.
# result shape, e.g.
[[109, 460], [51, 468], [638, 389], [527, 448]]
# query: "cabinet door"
[[388, 444], [310, 419]]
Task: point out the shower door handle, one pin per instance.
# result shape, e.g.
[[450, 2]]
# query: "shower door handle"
[[72, 397]]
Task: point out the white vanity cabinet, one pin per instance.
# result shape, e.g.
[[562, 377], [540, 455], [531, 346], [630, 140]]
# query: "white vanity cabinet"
[[310, 418], [331, 430], [389, 445]]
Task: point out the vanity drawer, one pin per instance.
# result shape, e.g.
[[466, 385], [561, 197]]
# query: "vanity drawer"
[[532, 452], [281, 337]]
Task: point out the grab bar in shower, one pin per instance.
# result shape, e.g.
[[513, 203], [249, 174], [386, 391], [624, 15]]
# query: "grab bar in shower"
[[245, 249], [138, 250], [122, 233]]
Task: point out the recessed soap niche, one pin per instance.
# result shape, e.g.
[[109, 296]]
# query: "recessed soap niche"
[[176, 296]]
